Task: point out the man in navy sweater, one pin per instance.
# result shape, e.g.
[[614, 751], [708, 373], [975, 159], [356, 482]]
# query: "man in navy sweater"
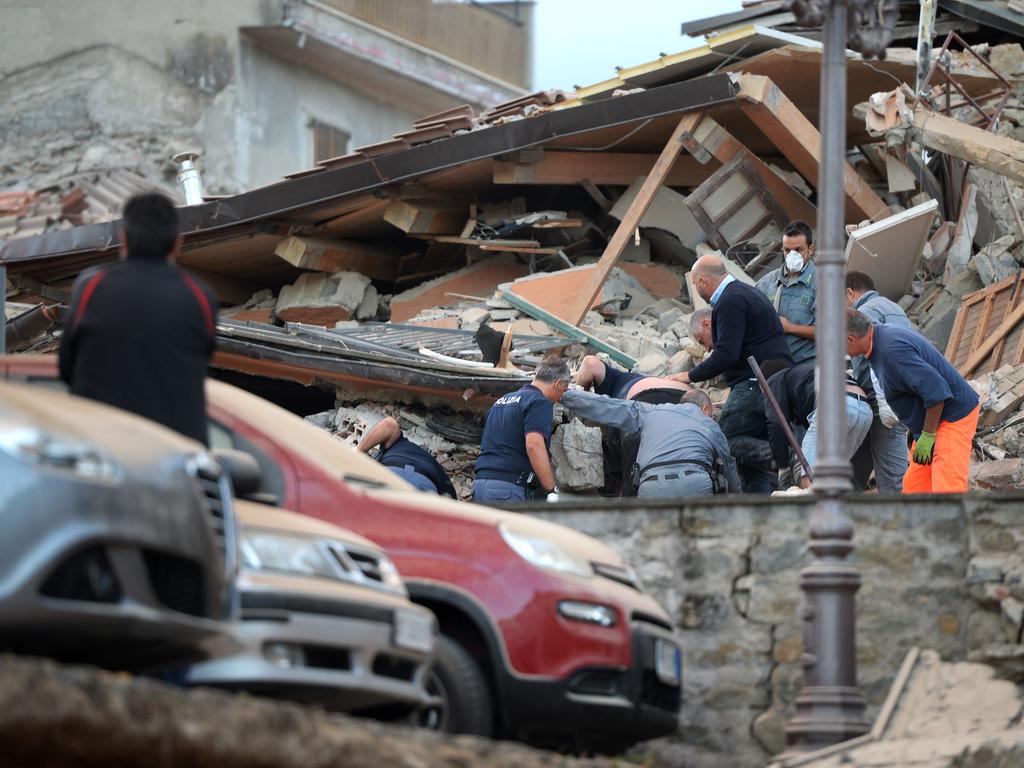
[[743, 323]]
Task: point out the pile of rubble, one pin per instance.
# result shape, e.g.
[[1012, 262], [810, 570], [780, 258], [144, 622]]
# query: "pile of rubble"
[[439, 266]]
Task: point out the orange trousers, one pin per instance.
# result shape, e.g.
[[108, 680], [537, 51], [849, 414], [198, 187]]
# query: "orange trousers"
[[950, 460]]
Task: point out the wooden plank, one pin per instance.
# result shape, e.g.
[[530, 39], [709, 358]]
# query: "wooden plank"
[[976, 146], [997, 351], [558, 224], [797, 138], [723, 146], [459, 240], [568, 329], [490, 246], [618, 168], [978, 356], [422, 216], [666, 160], [339, 256]]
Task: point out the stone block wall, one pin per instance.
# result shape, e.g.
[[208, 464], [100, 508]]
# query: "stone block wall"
[[941, 573]]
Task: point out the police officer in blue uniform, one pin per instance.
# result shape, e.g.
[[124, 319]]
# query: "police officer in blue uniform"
[[792, 291], [406, 459], [514, 463]]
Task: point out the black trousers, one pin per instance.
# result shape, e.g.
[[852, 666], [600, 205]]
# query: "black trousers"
[[743, 417]]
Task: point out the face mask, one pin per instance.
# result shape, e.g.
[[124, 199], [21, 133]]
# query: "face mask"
[[794, 262]]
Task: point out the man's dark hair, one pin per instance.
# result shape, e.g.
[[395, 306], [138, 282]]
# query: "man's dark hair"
[[859, 282], [770, 367], [799, 227], [150, 226], [857, 324]]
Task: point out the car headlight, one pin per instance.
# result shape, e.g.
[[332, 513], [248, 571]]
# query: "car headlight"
[[545, 553], [45, 449], [288, 553]]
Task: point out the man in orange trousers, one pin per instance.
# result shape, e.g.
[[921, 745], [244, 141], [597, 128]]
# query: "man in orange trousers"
[[929, 396]]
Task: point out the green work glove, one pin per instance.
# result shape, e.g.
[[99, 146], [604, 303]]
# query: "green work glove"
[[924, 448]]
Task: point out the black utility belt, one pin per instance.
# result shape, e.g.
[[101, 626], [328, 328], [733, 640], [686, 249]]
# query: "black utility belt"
[[861, 398], [519, 478], [658, 464]]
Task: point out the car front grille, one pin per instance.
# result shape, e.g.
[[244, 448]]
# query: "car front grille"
[[215, 492], [367, 563], [395, 667], [177, 582], [657, 694]]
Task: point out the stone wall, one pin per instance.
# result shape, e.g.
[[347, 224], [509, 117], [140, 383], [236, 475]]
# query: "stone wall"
[[938, 573]]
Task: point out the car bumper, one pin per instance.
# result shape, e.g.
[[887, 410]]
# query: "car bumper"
[[125, 574], [600, 709], [349, 664]]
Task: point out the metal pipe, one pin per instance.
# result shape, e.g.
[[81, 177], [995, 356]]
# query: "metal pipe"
[[830, 708], [783, 421], [188, 177]]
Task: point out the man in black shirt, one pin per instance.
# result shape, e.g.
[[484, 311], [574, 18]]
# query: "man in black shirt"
[[743, 323], [794, 390], [406, 459], [140, 332]]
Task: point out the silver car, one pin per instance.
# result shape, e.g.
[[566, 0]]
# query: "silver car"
[[118, 545], [325, 619]]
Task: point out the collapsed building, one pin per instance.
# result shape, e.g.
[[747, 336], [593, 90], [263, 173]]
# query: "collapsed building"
[[426, 274]]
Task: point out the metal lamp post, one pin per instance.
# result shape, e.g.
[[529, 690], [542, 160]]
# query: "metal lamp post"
[[830, 707]]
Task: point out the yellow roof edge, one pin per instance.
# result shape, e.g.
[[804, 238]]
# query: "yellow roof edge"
[[605, 85]]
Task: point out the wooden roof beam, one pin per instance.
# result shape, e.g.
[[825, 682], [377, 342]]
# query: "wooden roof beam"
[[339, 256], [709, 140], [797, 138], [620, 168]]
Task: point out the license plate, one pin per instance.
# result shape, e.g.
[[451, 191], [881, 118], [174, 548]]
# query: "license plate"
[[668, 662], [414, 631]]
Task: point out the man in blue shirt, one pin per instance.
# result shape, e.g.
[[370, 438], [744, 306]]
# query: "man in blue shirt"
[[887, 440], [791, 290], [743, 323], [406, 459], [932, 400], [514, 463]]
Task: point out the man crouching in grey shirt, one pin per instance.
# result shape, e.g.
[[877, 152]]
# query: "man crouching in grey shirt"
[[680, 444]]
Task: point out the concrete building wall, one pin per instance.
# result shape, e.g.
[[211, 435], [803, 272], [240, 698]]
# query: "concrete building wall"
[[941, 573], [279, 99], [196, 39]]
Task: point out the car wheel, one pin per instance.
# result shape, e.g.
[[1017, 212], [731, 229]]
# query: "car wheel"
[[462, 701]]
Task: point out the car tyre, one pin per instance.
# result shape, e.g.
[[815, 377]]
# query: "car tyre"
[[460, 688]]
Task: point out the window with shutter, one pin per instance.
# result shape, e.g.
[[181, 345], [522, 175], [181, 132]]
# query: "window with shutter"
[[328, 141]]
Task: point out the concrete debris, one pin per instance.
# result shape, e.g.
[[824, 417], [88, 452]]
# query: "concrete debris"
[[998, 260], [576, 452], [325, 299], [259, 308]]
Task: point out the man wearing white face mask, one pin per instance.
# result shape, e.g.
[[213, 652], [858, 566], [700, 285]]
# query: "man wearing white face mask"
[[791, 290]]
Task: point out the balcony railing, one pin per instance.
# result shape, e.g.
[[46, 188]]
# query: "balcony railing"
[[483, 39]]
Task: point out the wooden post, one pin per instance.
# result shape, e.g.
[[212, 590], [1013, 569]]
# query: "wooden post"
[[631, 220]]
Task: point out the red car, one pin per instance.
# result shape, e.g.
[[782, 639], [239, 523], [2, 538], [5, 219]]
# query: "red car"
[[546, 635]]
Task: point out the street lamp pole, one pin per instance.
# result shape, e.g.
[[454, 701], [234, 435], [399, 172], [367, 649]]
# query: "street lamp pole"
[[830, 707]]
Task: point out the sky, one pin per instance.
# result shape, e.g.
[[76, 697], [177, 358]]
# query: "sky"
[[580, 42]]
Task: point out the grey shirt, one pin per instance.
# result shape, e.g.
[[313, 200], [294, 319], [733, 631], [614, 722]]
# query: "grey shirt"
[[669, 432]]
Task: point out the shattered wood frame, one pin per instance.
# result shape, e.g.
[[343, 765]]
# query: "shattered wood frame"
[[988, 331], [732, 220]]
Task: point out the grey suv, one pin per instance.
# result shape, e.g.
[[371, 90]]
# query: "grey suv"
[[118, 543]]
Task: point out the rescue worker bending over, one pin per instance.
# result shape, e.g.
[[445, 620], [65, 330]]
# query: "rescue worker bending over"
[[409, 461], [514, 464], [607, 380], [682, 451]]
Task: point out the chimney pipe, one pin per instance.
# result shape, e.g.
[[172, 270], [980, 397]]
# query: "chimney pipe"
[[188, 177]]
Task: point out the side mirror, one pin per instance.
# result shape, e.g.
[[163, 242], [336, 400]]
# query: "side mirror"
[[244, 471]]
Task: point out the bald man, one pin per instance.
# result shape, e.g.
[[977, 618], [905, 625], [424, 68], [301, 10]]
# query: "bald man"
[[743, 323]]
